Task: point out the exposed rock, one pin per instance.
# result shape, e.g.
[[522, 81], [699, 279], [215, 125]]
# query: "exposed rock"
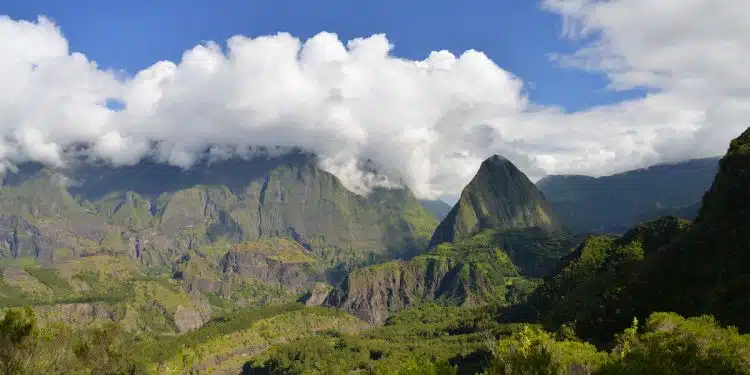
[[467, 264], [375, 293], [278, 260], [78, 313], [19, 238], [156, 212], [317, 294], [188, 319]]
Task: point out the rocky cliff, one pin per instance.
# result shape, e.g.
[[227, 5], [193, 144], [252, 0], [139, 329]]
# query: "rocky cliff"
[[464, 274]]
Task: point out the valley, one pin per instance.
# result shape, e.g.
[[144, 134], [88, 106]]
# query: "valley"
[[272, 266]]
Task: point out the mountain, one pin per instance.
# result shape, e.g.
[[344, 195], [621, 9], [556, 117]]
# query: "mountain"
[[664, 265], [127, 295], [234, 232], [612, 204], [163, 209], [499, 196], [493, 246], [437, 207]]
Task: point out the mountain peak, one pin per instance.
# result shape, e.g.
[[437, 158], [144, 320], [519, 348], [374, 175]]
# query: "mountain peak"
[[496, 160], [500, 196]]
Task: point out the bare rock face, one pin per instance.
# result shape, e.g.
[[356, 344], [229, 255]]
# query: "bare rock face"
[[187, 319], [278, 260], [19, 238], [375, 293], [317, 294], [78, 313]]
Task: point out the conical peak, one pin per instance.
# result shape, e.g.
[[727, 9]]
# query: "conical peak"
[[496, 160], [496, 169]]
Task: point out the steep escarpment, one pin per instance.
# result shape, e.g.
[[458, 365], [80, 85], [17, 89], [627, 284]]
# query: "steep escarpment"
[[707, 270], [472, 271], [466, 273], [664, 265], [499, 196], [274, 260], [157, 213]]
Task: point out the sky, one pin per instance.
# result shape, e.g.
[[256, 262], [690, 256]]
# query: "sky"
[[426, 90]]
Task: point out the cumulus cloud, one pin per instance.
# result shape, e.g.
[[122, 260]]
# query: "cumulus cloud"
[[425, 123]]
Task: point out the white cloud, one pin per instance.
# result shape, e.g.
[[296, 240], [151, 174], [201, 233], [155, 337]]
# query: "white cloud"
[[428, 123]]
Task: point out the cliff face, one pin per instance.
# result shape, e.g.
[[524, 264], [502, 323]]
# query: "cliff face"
[[275, 260], [157, 213], [471, 271], [499, 196], [374, 293]]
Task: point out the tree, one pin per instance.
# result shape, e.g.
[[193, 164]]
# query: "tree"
[[17, 340]]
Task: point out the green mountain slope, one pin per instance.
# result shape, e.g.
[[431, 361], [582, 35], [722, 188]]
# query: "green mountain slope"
[[156, 212], [504, 240], [499, 196], [469, 272], [94, 290], [437, 208], [593, 289], [664, 265], [612, 204], [232, 233]]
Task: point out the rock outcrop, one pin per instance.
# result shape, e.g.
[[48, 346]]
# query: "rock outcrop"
[[274, 260]]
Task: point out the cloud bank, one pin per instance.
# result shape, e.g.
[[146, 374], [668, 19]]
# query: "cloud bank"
[[427, 123]]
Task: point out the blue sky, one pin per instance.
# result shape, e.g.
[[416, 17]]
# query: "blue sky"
[[516, 34], [429, 130]]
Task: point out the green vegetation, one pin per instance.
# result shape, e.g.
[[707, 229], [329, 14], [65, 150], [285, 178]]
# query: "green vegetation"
[[593, 289], [470, 271], [499, 197], [28, 348], [668, 344], [435, 340], [281, 249], [195, 275], [429, 339]]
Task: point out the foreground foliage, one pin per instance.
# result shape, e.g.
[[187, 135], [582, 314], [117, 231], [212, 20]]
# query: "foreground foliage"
[[668, 344], [419, 342]]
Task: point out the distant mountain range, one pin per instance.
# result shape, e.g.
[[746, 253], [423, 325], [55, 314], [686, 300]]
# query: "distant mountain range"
[[613, 204]]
